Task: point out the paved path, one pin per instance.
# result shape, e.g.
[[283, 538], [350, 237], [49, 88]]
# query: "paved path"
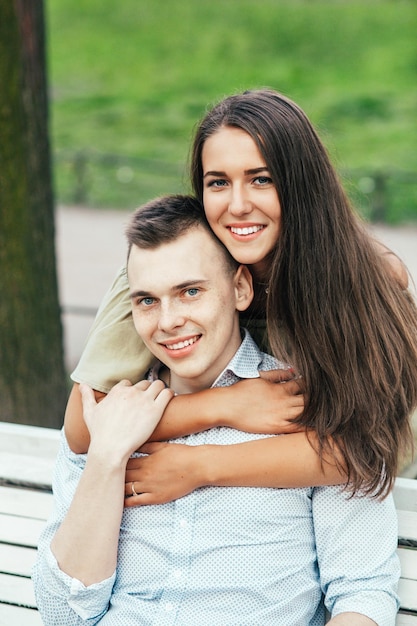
[[91, 247]]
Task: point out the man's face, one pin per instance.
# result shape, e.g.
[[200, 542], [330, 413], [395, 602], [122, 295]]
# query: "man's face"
[[185, 303]]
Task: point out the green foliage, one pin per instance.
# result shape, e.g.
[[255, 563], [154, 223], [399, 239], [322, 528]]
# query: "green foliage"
[[132, 78]]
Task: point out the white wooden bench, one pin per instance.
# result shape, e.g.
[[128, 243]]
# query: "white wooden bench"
[[27, 457]]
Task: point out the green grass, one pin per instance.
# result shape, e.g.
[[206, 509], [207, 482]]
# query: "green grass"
[[132, 78]]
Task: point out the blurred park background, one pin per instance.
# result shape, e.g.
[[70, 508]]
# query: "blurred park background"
[[129, 80], [127, 83]]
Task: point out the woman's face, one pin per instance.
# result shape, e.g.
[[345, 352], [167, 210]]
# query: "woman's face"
[[240, 199]]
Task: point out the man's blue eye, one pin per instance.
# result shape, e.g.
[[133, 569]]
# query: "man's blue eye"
[[193, 291]]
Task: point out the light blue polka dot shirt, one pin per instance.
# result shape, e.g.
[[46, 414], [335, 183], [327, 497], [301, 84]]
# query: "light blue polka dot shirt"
[[224, 556]]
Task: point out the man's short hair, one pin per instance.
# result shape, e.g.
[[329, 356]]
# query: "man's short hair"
[[164, 219]]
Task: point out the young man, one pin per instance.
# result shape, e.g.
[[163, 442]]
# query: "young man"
[[218, 556]]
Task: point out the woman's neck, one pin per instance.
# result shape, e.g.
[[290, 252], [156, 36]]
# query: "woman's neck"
[[257, 308], [260, 273]]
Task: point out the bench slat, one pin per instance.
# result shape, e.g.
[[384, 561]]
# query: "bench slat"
[[29, 440], [27, 454], [407, 524], [25, 470], [20, 530], [19, 616], [25, 502], [407, 590], [405, 494], [16, 560], [406, 620], [17, 590], [408, 559]]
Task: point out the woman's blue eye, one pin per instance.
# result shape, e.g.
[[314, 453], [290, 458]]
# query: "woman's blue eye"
[[263, 180], [217, 183]]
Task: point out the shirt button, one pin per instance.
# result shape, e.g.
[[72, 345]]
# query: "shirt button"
[[183, 523], [178, 574], [168, 607]]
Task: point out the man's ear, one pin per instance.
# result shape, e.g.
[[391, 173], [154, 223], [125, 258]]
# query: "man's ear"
[[243, 285]]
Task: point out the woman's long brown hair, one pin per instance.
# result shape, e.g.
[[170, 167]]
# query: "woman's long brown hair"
[[333, 310]]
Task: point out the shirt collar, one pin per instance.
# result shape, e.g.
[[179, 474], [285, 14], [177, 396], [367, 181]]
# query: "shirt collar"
[[246, 361]]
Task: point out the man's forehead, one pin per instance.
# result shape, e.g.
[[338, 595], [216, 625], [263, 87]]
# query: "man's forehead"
[[197, 242], [191, 257]]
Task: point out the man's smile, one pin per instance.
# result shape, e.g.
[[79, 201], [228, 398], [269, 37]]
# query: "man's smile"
[[178, 345]]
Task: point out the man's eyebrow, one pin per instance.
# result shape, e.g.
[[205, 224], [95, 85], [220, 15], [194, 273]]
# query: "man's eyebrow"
[[254, 170], [190, 283], [139, 293]]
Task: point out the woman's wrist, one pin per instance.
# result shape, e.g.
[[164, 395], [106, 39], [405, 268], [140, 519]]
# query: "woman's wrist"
[[214, 408], [192, 413]]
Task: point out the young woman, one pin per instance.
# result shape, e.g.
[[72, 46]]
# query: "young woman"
[[336, 306]]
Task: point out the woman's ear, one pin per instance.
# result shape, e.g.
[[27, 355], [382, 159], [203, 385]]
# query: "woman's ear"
[[243, 285]]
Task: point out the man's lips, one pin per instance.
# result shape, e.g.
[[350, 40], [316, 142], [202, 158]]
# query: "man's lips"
[[176, 344], [180, 347]]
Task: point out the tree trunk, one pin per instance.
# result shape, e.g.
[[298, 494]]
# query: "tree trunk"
[[32, 374]]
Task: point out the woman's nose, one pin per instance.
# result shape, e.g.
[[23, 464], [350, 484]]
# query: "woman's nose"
[[239, 202]]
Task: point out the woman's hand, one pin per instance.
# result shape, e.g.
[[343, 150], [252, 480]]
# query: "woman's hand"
[[169, 472], [267, 405]]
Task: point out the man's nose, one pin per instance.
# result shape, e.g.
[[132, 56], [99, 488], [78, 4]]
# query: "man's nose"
[[170, 317]]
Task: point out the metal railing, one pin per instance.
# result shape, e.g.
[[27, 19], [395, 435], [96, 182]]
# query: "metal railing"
[[92, 178]]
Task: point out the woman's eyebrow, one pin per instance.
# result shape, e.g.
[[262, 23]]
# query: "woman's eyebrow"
[[257, 170], [254, 170], [214, 173]]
